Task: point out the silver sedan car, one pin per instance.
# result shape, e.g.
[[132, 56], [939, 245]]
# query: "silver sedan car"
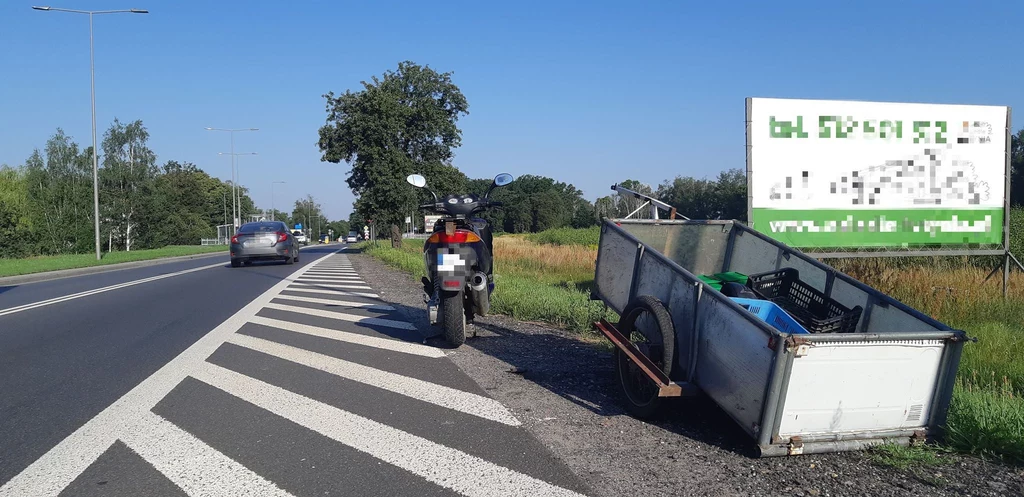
[[265, 240]]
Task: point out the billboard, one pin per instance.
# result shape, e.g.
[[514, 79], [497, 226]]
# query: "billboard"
[[849, 174]]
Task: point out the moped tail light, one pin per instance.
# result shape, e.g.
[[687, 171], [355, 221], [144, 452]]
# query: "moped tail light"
[[460, 236]]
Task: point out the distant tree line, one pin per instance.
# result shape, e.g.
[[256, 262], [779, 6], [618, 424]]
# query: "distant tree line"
[[46, 204]]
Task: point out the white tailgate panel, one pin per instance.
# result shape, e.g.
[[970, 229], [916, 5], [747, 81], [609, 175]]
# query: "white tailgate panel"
[[852, 387]]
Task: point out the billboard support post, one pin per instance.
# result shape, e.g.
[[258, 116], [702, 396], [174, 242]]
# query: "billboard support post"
[[841, 179]]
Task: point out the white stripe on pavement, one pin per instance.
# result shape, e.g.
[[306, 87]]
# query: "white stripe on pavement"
[[339, 303], [58, 467], [341, 316], [331, 285], [348, 337], [193, 466], [440, 395], [56, 300], [331, 277], [450, 468], [340, 293], [333, 273]]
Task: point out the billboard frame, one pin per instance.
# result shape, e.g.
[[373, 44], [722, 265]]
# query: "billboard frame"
[[867, 252]]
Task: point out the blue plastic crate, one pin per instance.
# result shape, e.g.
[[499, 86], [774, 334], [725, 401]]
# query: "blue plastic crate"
[[771, 314]]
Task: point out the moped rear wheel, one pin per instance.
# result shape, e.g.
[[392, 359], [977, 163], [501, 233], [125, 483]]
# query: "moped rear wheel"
[[453, 317]]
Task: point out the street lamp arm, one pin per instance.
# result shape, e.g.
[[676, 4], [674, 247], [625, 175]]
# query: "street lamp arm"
[[90, 12]]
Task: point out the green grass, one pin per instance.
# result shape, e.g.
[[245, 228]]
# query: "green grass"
[[552, 286], [986, 418], [587, 237], [901, 457], [14, 267]]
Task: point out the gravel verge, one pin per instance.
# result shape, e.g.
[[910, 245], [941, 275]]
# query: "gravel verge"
[[561, 386]]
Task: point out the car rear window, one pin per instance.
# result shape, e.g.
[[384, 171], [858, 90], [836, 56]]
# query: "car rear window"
[[260, 228]]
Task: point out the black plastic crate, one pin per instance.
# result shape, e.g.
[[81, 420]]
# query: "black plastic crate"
[[811, 308]]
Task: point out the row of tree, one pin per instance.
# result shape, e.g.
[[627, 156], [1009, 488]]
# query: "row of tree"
[[46, 204], [406, 122]]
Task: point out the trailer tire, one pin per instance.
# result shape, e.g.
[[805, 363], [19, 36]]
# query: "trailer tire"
[[658, 344]]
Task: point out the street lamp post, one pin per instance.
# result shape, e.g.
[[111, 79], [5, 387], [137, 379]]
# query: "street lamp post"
[[273, 212], [235, 208], [92, 91], [236, 204]]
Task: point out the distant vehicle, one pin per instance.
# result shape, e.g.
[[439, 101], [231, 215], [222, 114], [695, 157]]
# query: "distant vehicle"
[[300, 237], [265, 240], [353, 237]]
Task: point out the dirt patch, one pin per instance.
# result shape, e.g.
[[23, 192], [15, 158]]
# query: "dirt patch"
[[562, 388]]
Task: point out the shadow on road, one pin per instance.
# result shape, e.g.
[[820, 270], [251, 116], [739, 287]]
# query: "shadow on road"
[[5, 288]]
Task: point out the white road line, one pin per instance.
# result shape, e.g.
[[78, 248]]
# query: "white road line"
[[341, 316], [65, 298], [332, 285], [339, 293], [319, 281], [450, 468], [59, 466], [440, 395], [332, 278], [193, 466], [341, 303], [333, 273], [348, 337]]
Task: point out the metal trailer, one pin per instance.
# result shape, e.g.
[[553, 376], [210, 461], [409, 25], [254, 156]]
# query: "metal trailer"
[[889, 381]]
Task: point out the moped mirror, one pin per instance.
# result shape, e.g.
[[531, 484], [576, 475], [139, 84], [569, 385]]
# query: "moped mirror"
[[417, 180], [503, 179]]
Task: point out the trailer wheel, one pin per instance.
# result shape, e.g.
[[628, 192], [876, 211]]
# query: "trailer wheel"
[[646, 323]]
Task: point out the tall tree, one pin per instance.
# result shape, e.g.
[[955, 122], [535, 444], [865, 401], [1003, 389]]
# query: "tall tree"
[[59, 196], [15, 225], [402, 123], [129, 167]]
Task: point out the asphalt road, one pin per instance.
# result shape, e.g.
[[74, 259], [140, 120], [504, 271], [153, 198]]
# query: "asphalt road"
[[193, 378]]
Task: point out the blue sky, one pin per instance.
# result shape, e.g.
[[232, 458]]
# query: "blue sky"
[[589, 93]]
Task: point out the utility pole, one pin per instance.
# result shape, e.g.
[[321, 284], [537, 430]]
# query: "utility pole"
[[234, 195], [92, 92]]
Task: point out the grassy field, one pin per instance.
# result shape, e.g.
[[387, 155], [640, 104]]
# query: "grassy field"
[[547, 277], [14, 267]]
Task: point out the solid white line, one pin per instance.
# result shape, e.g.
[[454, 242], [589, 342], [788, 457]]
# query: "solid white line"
[[348, 337], [440, 395], [65, 298], [331, 285], [333, 273], [340, 303], [193, 466], [340, 293], [52, 472], [331, 277], [341, 316], [450, 468]]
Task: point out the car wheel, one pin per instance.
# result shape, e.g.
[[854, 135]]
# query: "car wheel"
[[235, 262], [289, 260]]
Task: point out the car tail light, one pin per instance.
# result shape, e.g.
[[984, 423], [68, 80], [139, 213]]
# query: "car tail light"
[[234, 239], [282, 237], [460, 236]]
